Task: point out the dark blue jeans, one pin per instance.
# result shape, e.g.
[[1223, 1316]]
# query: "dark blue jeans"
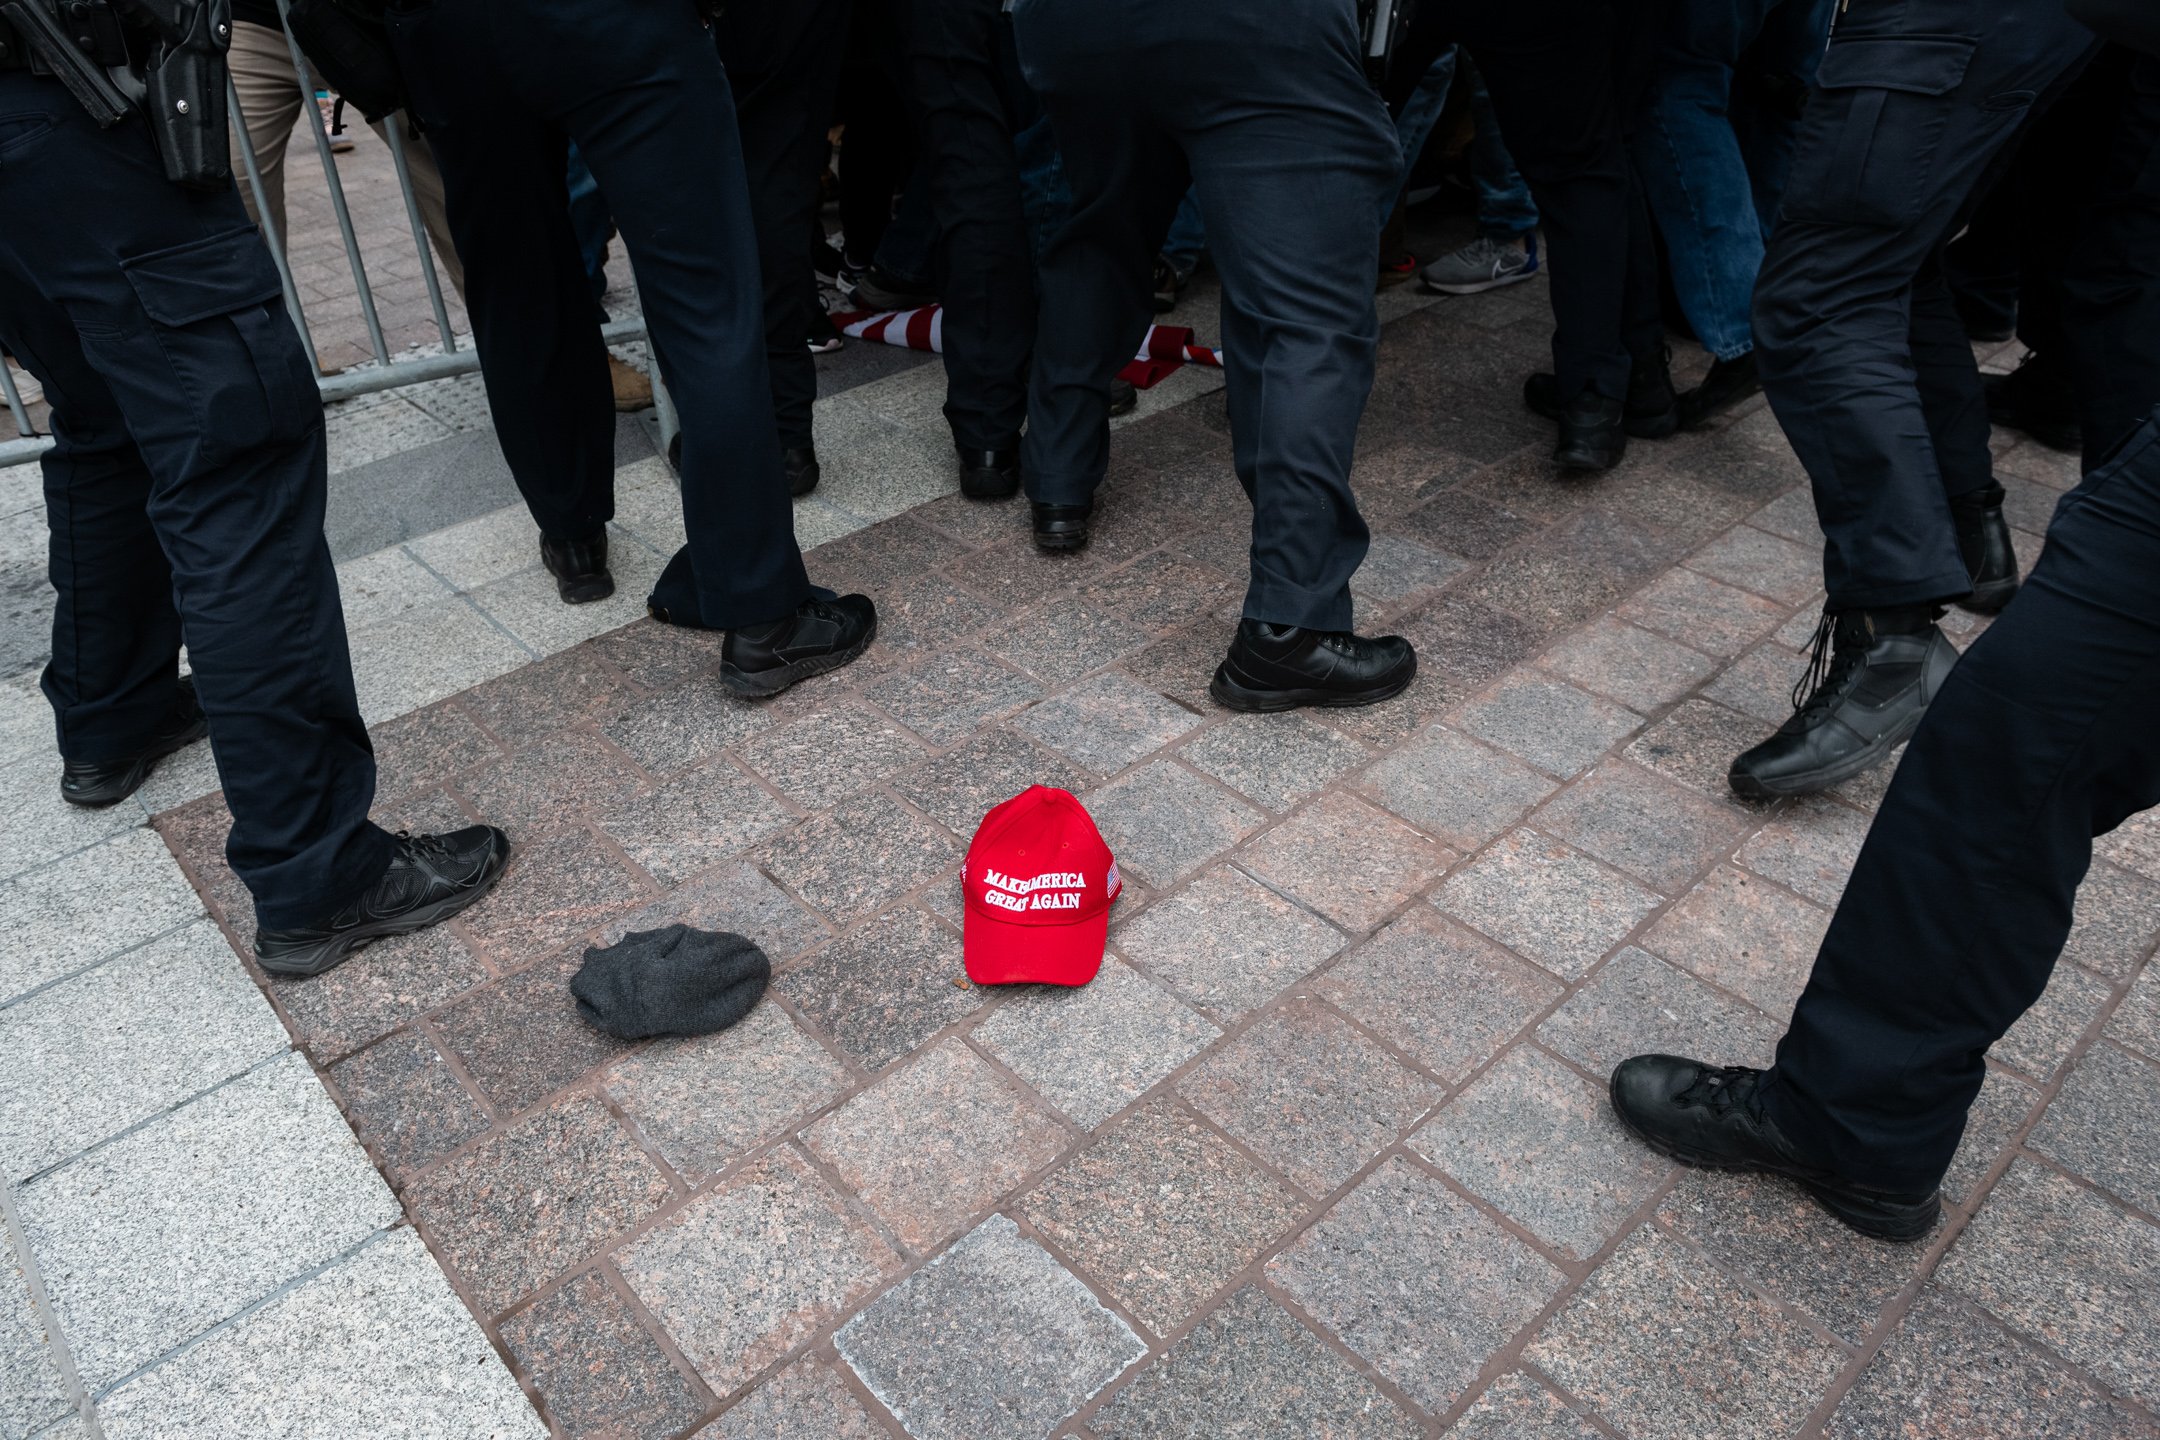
[[1714, 148], [2042, 739], [185, 493]]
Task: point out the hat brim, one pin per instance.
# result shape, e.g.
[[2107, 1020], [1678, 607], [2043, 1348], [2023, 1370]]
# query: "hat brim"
[[999, 952]]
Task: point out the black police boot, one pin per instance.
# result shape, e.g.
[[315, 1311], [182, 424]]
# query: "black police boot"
[[1124, 397], [1712, 1117], [1983, 537], [1593, 433], [579, 567], [431, 878], [1727, 383], [1651, 412], [95, 784], [990, 474], [1280, 667], [1869, 679], [1061, 527], [2037, 398], [799, 464], [822, 635]]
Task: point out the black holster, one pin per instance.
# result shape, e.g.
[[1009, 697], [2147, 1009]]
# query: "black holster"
[[184, 89]]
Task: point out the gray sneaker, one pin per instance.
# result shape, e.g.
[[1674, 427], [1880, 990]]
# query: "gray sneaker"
[[1483, 264]]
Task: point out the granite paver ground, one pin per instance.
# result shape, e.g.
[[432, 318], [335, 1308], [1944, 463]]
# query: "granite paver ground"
[[1324, 1150]]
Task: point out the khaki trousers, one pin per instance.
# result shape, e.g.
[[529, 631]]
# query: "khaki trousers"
[[271, 95]]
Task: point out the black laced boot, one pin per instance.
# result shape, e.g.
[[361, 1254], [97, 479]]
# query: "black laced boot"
[[1712, 1117], [1870, 676], [1280, 667]]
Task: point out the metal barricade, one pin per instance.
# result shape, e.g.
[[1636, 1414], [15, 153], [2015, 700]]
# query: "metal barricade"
[[385, 373]]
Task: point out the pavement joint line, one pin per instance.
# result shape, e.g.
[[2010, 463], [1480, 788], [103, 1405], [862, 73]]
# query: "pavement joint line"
[[63, 1355], [151, 1119], [291, 1284], [52, 860], [81, 970]]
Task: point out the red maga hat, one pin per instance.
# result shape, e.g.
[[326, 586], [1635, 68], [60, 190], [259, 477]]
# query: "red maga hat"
[[1039, 881]]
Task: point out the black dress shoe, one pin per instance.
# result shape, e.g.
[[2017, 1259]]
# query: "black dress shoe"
[[1727, 383], [1712, 1117], [1061, 527], [579, 567], [95, 784], [1868, 682], [1983, 537], [431, 878], [1593, 433], [1124, 397], [2038, 399], [1651, 411], [800, 466], [1280, 667], [761, 660], [990, 474]]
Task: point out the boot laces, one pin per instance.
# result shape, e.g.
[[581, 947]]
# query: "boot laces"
[[1830, 660], [1343, 642], [1722, 1087], [424, 847]]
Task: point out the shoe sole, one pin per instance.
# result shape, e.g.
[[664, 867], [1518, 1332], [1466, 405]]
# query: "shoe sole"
[[765, 684], [1878, 1220], [111, 795], [1747, 787], [1060, 544], [1001, 491], [335, 951], [1586, 463], [1232, 696], [1478, 287]]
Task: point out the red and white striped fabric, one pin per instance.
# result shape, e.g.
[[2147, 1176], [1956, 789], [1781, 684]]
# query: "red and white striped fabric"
[[1164, 349]]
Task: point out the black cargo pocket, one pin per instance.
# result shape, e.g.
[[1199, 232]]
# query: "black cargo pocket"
[[217, 312], [1872, 129]]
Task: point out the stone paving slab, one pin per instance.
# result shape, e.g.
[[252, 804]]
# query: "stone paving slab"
[[1325, 1140]]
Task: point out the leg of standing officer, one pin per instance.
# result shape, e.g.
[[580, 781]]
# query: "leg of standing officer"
[[541, 356], [643, 94], [179, 385], [1905, 124], [2111, 287], [2041, 740], [961, 80], [783, 63], [1291, 153]]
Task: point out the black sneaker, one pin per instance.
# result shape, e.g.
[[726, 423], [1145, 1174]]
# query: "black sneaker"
[[1124, 396], [761, 660], [1983, 537], [1281, 667], [95, 784], [1712, 1117], [876, 289], [1727, 383], [990, 474], [799, 464], [580, 567], [1869, 679], [431, 878], [2037, 398]]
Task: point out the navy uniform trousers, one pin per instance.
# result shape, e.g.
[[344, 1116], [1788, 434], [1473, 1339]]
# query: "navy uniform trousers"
[[500, 88], [2043, 738], [1263, 106], [783, 61], [185, 493], [964, 94], [1859, 345]]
